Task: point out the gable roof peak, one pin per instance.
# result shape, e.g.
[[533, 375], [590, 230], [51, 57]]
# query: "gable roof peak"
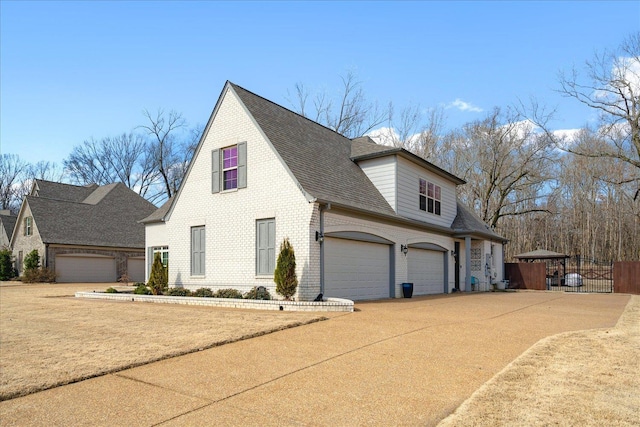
[[236, 87], [318, 158]]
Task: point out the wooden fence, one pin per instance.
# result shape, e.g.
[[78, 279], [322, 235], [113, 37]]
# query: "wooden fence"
[[526, 275], [626, 277]]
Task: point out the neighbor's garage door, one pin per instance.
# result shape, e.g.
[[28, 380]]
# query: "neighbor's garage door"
[[85, 269], [356, 270], [135, 269], [426, 271]]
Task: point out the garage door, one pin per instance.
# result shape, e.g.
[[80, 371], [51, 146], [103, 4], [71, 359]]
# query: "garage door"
[[135, 269], [426, 271], [85, 269], [356, 270]]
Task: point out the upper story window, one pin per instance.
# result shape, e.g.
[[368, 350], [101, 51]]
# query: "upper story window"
[[230, 168], [430, 194], [28, 226]]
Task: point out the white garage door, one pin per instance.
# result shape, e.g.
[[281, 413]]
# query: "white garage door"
[[135, 269], [356, 270], [426, 271], [85, 269]]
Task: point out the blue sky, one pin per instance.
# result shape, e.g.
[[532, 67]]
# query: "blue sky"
[[70, 71]]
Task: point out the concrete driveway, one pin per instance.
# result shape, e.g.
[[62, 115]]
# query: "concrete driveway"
[[393, 362]]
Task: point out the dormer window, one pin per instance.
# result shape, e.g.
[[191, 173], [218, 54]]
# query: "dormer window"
[[430, 194]]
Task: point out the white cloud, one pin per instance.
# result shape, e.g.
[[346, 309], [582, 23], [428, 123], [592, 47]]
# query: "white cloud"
[[384, 136], [625, 78], [464, 106], [565, 137], [389, 136]]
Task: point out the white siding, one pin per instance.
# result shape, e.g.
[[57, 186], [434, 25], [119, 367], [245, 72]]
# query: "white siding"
[[230, 216], [155, 235], [382, 173], [408, 194]]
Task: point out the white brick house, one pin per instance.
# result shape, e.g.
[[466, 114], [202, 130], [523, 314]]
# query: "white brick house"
[[362, 218]]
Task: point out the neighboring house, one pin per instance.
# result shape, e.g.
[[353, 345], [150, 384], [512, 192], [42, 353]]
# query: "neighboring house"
[[7, 222], [362, 218], [83, 233]]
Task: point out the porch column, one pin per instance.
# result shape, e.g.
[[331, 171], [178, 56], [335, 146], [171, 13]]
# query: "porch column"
[[467, 264]]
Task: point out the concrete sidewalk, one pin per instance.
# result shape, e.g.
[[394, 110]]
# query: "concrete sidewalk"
[[393, 362]]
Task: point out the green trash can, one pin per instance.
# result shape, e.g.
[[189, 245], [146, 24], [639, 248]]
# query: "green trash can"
[[407, 290]]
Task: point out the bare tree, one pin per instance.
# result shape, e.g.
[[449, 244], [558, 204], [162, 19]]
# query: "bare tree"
[[111, 159], [12, 171], [610, 84], [504, 162], [152, 163], [167, 152], [46, 170], [349, 114]]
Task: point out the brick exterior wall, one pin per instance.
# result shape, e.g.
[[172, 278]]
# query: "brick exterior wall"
[[26, 244], [229, 217]]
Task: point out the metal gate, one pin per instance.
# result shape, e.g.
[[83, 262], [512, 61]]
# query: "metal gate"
[[580, 274]]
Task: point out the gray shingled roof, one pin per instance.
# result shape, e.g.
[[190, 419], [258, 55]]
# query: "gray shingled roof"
[[324, 164], [318, 157], [109, 218], [158, 214], [364, 146], [59, 191], [8, 222], [467, 222]]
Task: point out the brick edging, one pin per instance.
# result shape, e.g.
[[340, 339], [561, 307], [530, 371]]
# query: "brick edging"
[[331, 304]]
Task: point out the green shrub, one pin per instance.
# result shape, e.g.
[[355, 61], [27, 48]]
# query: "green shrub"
[[6, 265], [178, 292], [203, 292], [258, 292], [141, 289], [111, 290], [228, 293], [32, 260], [285, 273], [39, 275], [158, 280]]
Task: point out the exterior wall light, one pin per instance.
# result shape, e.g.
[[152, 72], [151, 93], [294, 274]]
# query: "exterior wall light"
[[319, 237], [404, 249]]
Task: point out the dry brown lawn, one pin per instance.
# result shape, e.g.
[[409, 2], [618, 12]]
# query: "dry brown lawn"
[[583, 378], [49, 338]]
